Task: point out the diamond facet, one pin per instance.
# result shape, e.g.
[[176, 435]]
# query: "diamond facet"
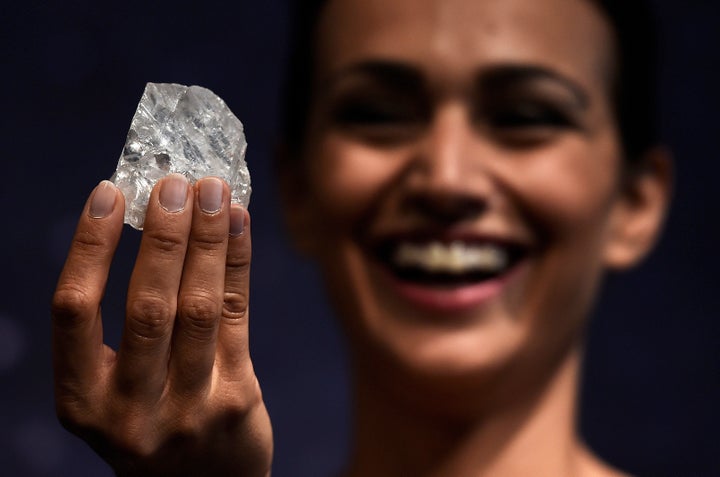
[[180, 129]]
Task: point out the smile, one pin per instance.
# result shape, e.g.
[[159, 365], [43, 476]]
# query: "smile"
[[449, 275]]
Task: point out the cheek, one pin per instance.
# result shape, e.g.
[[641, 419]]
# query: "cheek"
[[568, 189], [347, 178], [567, 193]]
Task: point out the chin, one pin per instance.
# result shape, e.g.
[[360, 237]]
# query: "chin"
[[446, 337]]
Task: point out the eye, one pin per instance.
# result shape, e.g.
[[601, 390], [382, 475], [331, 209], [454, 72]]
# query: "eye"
[[366, 113], [527, 116], [526, 123], [384, 121]]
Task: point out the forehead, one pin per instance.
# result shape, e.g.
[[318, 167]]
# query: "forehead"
[[453, 38]]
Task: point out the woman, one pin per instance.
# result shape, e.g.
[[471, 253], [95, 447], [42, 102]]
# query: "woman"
[[463, 172]]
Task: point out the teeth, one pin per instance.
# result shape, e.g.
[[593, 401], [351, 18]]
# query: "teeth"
[[457, 257]]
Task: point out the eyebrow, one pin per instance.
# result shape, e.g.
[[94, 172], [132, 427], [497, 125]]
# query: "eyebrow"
[[392, 73], [493, 78], [499, 77]]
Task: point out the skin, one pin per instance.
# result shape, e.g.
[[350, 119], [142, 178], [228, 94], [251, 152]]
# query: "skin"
[[179, 397], [487, 389], [472, 392]]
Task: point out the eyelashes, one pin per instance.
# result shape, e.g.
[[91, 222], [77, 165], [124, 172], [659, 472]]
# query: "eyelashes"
[[527, 124], [385, 121], [396, 118], [373, 114], [526, 115]]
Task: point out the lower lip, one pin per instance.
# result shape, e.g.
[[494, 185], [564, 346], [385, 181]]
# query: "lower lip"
[[452, 300]]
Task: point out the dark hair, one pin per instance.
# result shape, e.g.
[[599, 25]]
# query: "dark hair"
[[635, 81], [298, 88], [634, 84]]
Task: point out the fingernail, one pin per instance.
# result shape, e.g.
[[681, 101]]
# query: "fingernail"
[[210, 194], [173, 194], [237, 220], [103, 200]]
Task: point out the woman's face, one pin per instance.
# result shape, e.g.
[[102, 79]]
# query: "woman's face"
[[462, 179]]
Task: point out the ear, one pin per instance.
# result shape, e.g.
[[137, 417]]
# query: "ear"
[[294, 192], [640, 211]]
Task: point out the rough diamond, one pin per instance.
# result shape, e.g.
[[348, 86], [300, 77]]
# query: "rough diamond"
[[180, 129]]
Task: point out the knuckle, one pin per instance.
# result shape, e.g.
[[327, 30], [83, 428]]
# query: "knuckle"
[[89, 239], [242, 405], [131, 429], [239, 261], [149, 317], [166, 241], [199, 311], [73, 415], [130, 438], [78, 413], [209, 240], [80, 424], [235, 305], [70, 302], [185, 426], [240, 397], [123, 428]]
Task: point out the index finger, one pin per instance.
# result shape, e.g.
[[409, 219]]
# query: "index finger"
[[77, 327]]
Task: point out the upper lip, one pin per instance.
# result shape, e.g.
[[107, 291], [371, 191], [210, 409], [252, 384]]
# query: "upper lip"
[[446, 237], [383, 245]]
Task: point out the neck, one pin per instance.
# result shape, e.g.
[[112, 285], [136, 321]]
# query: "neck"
[[530, 436]]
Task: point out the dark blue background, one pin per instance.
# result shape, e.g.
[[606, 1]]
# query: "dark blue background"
[[72, 73]]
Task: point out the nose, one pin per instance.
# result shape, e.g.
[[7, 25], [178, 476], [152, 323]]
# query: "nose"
[[447, 181]]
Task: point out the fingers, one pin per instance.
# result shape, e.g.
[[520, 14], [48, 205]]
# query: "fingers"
[[201, 291], [77, 327], [232, 346], [192, 245], [153, 290]]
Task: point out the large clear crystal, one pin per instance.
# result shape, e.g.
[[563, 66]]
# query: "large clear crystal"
[[188, 130]]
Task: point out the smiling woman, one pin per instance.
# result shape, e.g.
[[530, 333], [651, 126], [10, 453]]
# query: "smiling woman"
[[463, 181], [464, 173]]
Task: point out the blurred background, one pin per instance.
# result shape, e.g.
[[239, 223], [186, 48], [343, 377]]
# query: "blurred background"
[[72, 73]]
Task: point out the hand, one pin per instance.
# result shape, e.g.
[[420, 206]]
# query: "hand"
[[179, 397]]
